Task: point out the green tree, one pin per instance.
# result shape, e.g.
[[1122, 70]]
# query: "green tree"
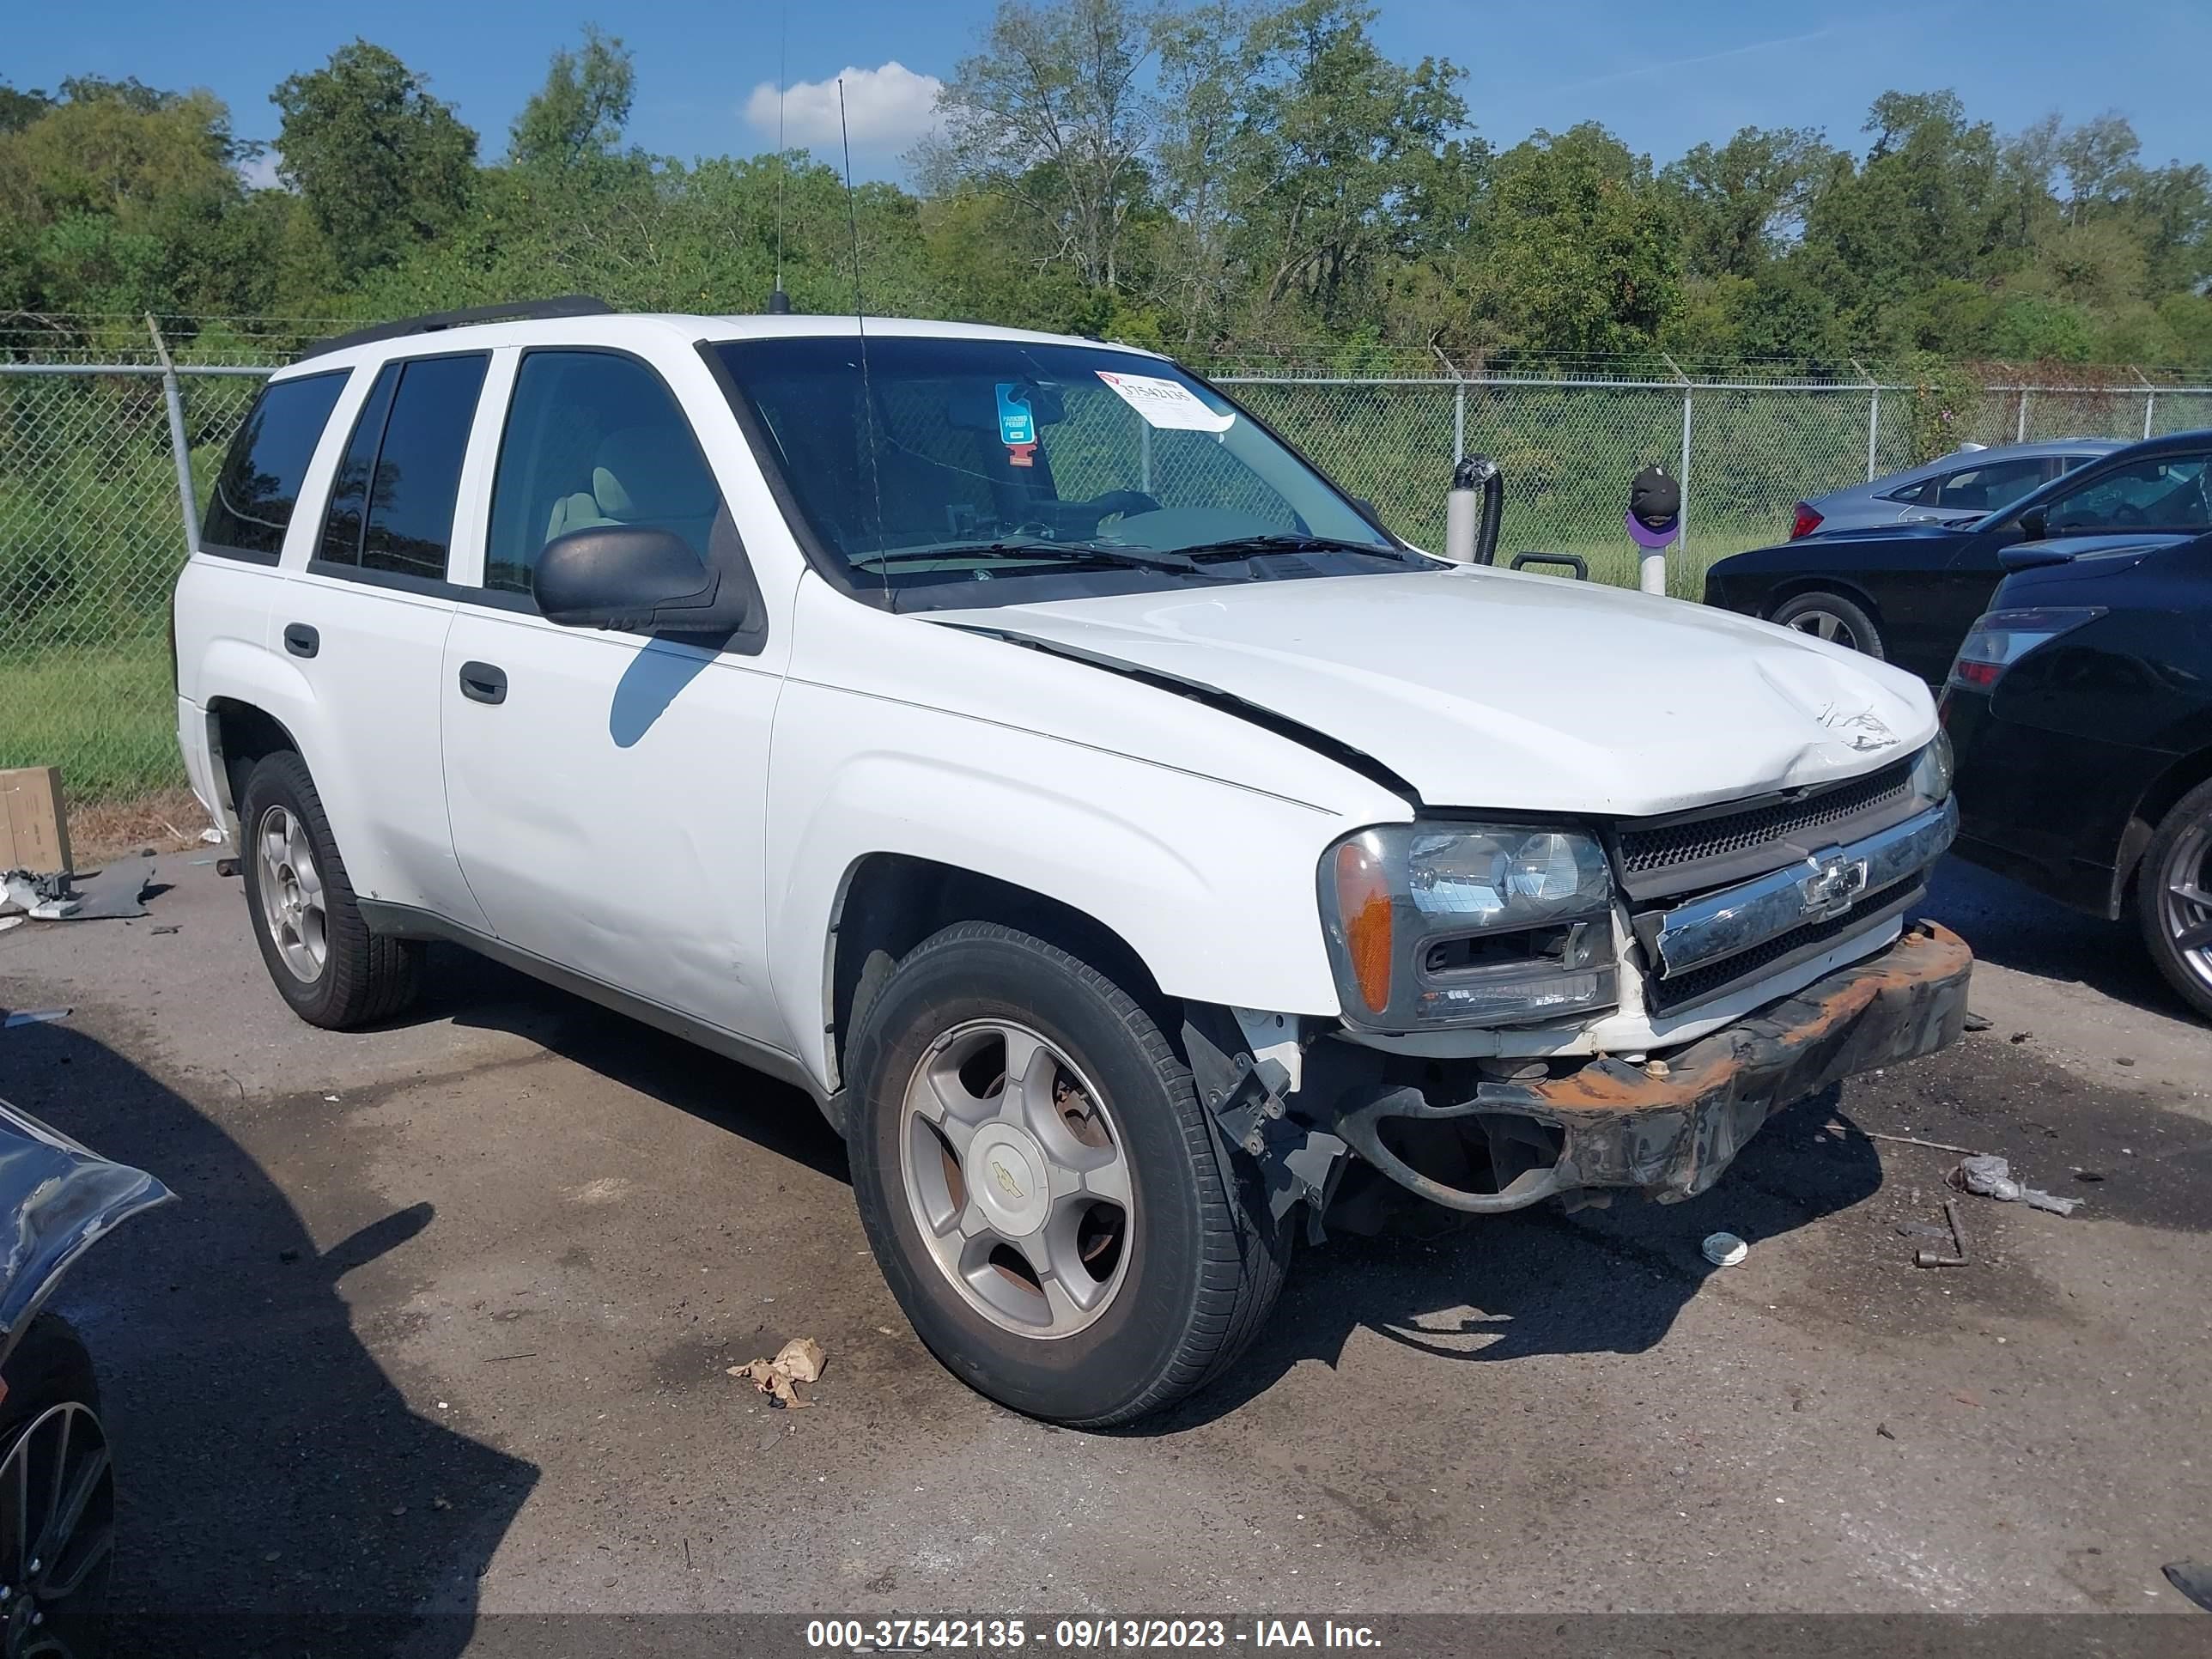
[[381, 164], [1743, 204], [577, 117]]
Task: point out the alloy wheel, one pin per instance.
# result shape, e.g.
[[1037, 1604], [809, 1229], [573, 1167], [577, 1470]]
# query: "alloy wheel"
[[57, 1535], [1826, 625], [293, 906], [1017, 1178], [2185, 900]]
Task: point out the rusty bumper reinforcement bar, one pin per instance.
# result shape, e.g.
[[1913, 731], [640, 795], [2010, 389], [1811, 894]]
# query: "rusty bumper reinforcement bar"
[[1672, 1134]]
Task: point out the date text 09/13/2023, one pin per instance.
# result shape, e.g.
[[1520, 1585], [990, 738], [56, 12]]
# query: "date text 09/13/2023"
[[998, 1636]]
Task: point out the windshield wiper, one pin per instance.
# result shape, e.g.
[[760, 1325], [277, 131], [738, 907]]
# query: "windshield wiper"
[[1243, 547], [1068, 552]]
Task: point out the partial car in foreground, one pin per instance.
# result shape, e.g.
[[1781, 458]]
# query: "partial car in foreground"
[[1969, 483], [1907, 593], [2080, 709], [57, 1483]]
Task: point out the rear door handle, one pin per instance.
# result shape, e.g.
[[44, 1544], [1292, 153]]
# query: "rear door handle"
[[300, 640], [482, 682]]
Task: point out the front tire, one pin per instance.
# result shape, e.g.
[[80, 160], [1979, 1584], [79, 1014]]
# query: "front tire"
[[1041, 1188], [2174, 897], [320, 955], [1832, 617]]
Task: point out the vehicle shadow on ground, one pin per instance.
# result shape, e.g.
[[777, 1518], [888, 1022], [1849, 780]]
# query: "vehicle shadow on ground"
[[1539, 1281], [475, 992], [275, 1491], [2017, 928]]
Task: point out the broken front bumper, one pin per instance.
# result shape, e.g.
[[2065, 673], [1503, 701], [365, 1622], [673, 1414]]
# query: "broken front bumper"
[[1669, 1128]]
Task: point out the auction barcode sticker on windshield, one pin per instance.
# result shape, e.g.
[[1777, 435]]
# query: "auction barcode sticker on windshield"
[[1166, 403]]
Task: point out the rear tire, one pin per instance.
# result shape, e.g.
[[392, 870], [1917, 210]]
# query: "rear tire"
[[2174, 897], [1154, 1294], [320, 954], [1832, 617]]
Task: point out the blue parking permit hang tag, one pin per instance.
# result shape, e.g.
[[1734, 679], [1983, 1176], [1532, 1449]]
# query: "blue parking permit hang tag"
[[1017, 421]]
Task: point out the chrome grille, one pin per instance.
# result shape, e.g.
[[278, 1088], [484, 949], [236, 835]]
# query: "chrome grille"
[[1670, 995]]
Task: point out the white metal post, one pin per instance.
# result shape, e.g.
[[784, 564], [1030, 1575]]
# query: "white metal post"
[[1145, 454], [2020, 431], [1873, 414], [1459, 421], [2150, 402], [180, 449]]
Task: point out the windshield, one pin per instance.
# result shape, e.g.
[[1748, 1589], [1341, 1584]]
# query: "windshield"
[[960, 460]]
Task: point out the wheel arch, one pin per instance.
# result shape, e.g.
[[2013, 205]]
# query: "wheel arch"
[[2157, 800], [888, 902], [240, 734], [1789, 588]]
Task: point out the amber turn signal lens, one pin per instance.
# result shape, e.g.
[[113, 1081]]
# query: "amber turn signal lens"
[[1363, 900]]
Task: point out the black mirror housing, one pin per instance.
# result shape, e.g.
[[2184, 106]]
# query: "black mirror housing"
[[634, 577], [2035, 523]]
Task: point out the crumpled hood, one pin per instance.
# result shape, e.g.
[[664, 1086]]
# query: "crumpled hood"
[[1485, 688]]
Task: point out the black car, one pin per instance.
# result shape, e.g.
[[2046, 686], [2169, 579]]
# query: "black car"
[[2080, 711], [1908, 593]]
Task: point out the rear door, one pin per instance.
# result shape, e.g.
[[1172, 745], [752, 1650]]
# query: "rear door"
[[608, 789], [365, 624]]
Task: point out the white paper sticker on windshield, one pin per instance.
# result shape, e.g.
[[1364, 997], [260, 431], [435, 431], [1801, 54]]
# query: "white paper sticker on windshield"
[[1166, 403]]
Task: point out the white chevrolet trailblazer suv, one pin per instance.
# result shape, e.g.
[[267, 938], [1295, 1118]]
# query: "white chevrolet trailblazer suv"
[[1139, 853]]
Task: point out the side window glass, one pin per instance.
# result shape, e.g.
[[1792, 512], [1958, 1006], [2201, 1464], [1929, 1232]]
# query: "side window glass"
[[2168, 493], [418, 471], [391, 504], [342, 522], [1923, 491], [592, 438], [259, 484], [1986, 489]]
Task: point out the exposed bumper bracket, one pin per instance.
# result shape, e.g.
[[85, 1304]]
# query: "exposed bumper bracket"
[[1670, 1130]]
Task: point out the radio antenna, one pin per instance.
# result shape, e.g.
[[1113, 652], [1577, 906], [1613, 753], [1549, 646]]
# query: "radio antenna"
[[860, 324], [779, 302]]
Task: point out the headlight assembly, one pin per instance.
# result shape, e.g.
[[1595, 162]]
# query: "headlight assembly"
[[1439, 924], [1932, 769]]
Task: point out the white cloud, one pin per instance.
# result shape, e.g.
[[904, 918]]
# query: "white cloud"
[[889, 111], [259, 172]]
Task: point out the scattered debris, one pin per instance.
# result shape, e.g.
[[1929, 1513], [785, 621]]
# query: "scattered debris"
[[1883, 1430], [167, 927], [1990, 1176], [1911, 1141], [121, 891], [34, 1016], [799, 1360], [1958, 1257], [2193, 1579], [1922, 1230], [1974, 1022], [212, 837], [6, 922], [2121, 1060], [2019, 1037], [1725, 1249], [2080, 1174]]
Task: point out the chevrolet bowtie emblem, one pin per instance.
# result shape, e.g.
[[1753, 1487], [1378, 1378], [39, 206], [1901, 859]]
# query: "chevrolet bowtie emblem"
[[1835, 884]]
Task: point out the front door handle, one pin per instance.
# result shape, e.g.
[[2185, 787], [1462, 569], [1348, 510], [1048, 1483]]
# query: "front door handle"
[[482, 682], [301, 640]]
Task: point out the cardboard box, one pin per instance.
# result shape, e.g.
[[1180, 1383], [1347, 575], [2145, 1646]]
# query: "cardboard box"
[[33, 823]]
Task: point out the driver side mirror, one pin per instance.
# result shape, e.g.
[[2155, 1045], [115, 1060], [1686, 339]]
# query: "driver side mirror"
[[2035, 523], [634, 577]]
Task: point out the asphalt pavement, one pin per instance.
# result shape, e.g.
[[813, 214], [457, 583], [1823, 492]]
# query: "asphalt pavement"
[[443, 1319]]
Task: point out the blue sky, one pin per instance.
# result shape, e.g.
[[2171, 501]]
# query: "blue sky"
[[1663, 77]]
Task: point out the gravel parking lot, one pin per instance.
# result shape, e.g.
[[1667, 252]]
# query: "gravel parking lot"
[[442, 1319]]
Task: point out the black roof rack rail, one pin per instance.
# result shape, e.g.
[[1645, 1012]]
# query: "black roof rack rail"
[[568, 305]]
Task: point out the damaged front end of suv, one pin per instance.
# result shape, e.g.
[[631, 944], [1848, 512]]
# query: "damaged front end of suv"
[[1545, 1010]]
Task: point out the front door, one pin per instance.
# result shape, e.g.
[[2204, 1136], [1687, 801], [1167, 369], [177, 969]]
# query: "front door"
[[608, 789]]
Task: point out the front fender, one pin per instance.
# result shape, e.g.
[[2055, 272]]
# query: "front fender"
[[57, 1199], [1211, 884]]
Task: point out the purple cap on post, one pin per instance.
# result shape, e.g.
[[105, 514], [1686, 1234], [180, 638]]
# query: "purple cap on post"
[[1645, 536]]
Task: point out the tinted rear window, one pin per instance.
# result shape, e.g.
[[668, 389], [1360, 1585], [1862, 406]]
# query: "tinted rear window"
[[405, 465], [259, 483]]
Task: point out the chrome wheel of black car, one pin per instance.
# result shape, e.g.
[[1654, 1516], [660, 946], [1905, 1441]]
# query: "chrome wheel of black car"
[[56, 1534], [1832, 617], [2185, 900]]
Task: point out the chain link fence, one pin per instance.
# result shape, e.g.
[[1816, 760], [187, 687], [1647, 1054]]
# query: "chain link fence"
[[92, 528]]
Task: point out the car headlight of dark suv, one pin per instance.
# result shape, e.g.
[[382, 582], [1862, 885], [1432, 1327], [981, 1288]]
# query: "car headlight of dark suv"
[[1434, 925]]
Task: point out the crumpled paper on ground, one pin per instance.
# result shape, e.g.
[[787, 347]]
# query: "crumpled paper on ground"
[[799, 1360], [1991, 1176]]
